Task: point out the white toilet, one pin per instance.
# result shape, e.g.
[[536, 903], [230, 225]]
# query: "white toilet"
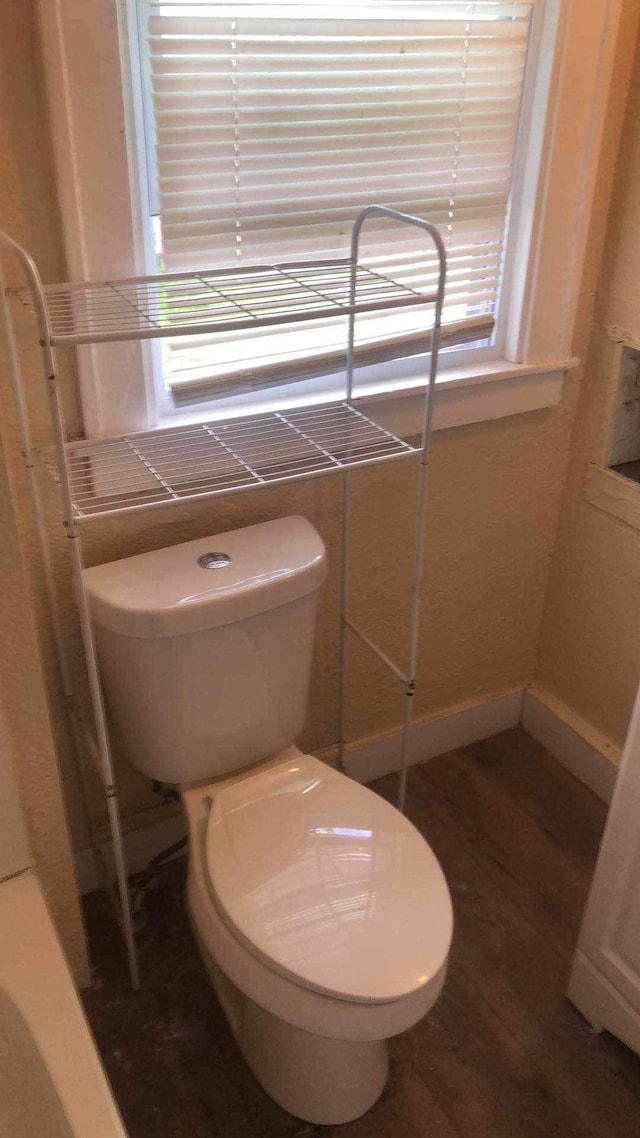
[[321, 913]]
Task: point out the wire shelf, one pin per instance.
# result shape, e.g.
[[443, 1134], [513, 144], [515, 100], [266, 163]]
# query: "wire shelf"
[[183, 304], [157, 468]]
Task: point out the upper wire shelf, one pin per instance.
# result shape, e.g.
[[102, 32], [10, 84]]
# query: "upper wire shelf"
[[183, 304], [157, 468]]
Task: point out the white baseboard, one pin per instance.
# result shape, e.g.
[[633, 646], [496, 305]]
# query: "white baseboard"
[[601, 1004], [572, 741], [435, 735], [589, 755], [140, 847]]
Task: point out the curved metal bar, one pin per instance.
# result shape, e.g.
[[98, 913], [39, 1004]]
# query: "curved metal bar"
[[427, 429], [36, 289], [34, 279], [405, 219]]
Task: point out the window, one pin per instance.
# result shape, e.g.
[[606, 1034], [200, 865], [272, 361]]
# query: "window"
[[268, 126], [537, 196]]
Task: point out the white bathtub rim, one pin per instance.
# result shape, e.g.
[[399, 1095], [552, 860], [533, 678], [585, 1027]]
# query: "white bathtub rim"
[[36, 977]]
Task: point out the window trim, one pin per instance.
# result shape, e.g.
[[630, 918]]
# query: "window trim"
[[89, 137]]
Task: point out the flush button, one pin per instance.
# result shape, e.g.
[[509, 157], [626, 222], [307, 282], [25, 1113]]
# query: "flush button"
[[214, 560]]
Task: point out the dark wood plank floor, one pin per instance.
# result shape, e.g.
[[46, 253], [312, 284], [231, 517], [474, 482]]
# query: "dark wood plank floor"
[[502, 1055]]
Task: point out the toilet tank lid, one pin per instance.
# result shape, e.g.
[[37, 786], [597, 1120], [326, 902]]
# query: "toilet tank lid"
[[209, 582]]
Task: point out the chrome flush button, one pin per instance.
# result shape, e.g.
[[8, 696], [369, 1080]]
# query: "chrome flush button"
[[213, 560]]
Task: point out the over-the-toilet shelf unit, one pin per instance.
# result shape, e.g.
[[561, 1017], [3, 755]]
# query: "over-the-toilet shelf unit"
[[151, 470]]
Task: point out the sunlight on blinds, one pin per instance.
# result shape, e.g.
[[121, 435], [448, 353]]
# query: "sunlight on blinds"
[[274, 124]]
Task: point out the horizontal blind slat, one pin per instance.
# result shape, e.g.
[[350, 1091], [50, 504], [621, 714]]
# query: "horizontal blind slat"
[[290, 243], [287, 213], [285, 29], [180, 176], [193, 153], [305, 195], [349, 125], [324, 92], [313, 240], [267, 184], [374, 9]]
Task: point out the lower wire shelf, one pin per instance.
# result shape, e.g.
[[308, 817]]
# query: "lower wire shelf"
[[157, 468]]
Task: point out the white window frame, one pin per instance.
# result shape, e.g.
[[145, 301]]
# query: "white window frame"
[[101, 203]]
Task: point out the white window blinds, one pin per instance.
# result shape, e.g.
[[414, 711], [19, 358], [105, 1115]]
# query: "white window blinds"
[[272, 125]]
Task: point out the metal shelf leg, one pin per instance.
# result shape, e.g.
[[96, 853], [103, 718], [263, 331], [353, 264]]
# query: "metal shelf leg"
[[18, 388], [57, 421], [427, 427]]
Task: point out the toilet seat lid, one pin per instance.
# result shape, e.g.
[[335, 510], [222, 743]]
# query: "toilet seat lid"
[[327, 883]]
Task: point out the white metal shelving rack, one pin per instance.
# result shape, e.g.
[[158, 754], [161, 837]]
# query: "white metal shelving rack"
[[155, 469]]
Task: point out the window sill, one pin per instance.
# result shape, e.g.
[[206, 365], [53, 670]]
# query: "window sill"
[[464, 395], [472, 395]]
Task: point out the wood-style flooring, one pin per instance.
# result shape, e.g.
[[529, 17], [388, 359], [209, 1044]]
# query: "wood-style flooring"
[[503, 1054]]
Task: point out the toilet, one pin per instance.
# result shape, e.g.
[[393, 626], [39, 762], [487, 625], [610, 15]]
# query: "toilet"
[[321, 914]]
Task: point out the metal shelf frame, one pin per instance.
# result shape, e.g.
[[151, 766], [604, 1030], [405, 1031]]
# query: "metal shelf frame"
[[155, 469]]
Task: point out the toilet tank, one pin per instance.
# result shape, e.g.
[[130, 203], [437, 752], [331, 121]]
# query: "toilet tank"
[[205, 647]]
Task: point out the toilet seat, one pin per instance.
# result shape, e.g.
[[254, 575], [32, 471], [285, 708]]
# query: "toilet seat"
[[326, 884], [299, 1006]]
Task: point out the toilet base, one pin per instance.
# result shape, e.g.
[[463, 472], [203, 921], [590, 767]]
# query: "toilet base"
[[323, 1081]]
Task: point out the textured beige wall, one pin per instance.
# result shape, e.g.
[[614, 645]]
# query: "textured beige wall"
[[22, 687], [28, 212], [589, 653], [495, 497], [24, 701], [491, 524]]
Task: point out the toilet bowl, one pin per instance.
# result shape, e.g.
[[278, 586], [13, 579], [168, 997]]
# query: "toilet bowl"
[[325, 922], [321, 913]]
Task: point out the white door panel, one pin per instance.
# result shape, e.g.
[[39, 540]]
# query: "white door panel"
[[605, 981]]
